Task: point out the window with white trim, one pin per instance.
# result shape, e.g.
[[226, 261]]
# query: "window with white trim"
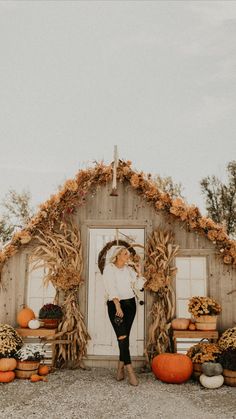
[[190, 281], [38, 293]]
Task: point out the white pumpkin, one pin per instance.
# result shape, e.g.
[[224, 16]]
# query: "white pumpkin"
[[34, 324], [211, 382]]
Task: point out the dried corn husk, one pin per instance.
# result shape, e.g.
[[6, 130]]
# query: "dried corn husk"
[[159, 272], [72, 328], [61, 254]]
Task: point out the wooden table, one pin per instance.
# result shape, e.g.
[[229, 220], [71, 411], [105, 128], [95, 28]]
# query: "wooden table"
[[40, 333], [199, 334]]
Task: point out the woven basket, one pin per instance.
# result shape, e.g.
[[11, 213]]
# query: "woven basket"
[[206, 322], [229, 377], [197, 370], [24, 369]]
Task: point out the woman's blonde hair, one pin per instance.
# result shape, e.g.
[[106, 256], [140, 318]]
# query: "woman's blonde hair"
[[115, 252]]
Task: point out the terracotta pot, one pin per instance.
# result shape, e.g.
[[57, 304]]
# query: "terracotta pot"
[[206, 322], [229, 377], [24, 369], [50, 323]]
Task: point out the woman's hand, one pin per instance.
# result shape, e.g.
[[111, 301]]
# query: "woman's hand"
[[119, 311], [138, 269]]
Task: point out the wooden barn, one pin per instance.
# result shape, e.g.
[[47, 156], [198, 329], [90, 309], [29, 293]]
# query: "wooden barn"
[[87, 213]]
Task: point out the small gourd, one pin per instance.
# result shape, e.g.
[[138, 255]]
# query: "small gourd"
[[192, 326], [35, 378], [6, 376], [43, 370], [212, 368], [34, 324], [24, 316], [211, 382], [7, 364], [180, 324]]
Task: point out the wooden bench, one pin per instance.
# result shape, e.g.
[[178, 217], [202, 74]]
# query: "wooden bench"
[[212, 335]]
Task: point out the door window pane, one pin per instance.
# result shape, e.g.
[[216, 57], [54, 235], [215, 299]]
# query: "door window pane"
[[190, 281]]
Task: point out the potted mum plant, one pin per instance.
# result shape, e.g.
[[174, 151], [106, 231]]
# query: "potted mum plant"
[[205, 311], [203, 352], [50, 314], [227, 343], [28, 360]]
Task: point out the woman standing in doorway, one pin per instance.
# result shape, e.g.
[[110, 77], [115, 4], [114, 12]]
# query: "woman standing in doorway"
[[119, 279]]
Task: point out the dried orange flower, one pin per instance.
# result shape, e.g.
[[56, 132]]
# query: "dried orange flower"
[[203, 305]]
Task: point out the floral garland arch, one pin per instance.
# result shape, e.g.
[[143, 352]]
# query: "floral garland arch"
[[73, 195]]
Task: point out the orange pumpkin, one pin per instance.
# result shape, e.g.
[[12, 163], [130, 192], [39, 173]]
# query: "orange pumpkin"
[[7, 364], [6, 376], [192, 326], [43, 370], [24, 316], [172, 368], [180, 324]]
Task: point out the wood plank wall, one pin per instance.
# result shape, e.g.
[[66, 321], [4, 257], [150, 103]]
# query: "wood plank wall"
[[127, 210]]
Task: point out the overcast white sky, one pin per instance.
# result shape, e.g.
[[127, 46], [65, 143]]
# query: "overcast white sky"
[[156, 78]]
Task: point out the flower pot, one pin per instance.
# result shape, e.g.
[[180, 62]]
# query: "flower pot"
[[197, 370], [24, 369], [229, 377], [206, 322], [50, 323]]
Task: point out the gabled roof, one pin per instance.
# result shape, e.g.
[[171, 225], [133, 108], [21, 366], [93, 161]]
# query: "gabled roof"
[[73, 194]]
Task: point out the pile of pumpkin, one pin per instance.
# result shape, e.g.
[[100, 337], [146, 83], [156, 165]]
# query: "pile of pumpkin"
[[10, 343], [183, 324], [213, 364], [7, 374]]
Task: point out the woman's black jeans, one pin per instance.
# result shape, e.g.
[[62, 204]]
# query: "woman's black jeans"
[[129, 309]]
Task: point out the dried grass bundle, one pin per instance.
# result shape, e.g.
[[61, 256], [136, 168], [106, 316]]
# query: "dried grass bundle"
[[61, 254], [158, 334], [161, 252], [159, 273], [73, 330]]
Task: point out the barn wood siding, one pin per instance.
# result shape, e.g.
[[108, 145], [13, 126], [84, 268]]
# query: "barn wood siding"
[[13, 294], [127, 210]]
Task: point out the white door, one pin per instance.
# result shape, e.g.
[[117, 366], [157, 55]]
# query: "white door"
[[103, 339]]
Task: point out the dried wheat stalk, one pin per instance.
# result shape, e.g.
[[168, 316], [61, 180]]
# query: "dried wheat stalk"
[[72, 328], [159, 272], [61, 254]]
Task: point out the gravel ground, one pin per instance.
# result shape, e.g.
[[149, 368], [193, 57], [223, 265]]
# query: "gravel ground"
[[95, 394]]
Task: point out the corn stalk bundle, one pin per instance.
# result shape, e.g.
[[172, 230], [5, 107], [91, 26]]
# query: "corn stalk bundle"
[[61, 254], [159, 273], [72, 333], [162, 313], [160, 254]]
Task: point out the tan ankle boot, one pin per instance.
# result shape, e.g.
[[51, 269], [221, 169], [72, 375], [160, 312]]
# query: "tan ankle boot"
[[131, 375], [120, 375]]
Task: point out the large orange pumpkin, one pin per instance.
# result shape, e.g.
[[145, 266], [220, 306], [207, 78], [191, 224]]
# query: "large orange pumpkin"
[[172, 368], [24, 316], [6, 376]]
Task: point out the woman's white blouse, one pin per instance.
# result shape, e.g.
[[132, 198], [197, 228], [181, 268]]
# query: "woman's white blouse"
[[119, 282]]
